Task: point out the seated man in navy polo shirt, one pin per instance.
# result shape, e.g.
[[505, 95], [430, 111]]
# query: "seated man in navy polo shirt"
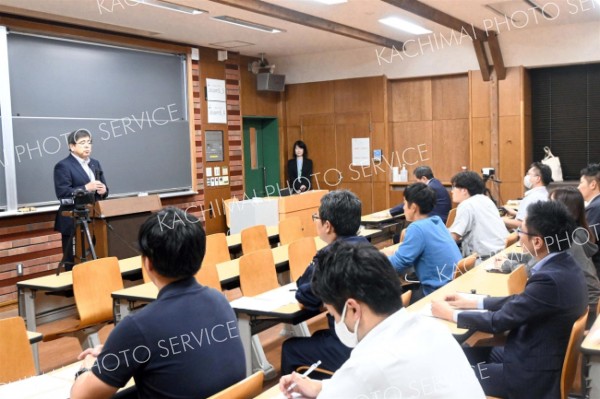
[[338, 219], [185, 344]]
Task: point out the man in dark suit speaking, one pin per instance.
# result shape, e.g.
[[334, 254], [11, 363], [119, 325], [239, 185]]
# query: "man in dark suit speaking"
[[539, 320], [77, 171]]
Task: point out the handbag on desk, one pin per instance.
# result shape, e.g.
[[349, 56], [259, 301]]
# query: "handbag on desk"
[[554, 164]]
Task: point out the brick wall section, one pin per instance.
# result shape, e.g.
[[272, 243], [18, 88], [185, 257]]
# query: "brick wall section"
[[234, 125], [31, 240]]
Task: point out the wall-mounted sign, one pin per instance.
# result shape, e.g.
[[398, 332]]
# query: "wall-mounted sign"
[[214, 146]]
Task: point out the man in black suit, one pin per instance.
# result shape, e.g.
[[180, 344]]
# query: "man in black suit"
[[443, 204], [539, 320], [77, 171], [589, 186]]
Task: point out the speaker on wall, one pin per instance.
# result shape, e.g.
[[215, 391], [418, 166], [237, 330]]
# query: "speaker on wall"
[[270, 82]]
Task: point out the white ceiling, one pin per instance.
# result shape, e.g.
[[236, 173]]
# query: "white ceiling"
[[201, 30]]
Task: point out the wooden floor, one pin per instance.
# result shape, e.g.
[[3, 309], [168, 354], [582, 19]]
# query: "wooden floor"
[[63, 351]]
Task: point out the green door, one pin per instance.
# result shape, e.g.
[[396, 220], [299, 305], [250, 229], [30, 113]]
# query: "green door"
[[261, 157]]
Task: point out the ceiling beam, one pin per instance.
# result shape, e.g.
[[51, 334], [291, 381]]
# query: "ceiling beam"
[[439, 17], [496, 56], [274, 11], [484, 66]]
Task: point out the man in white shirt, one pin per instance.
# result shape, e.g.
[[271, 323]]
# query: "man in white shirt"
[[536, 181], [478, 225], [398, 354]]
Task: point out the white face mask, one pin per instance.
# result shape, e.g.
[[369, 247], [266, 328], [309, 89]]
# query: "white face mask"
[[348, 338], [527, 182]]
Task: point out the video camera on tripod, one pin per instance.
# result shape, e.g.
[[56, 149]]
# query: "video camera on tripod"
[[78, 201]]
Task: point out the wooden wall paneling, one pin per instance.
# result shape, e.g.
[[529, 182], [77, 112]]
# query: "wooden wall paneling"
[[450, 97], [480, 144], [480, 95], [320, 140], [411, 100], [379, 196], [450, 147], [363, 191], [511, 92], [360, 95], [511, 164], [308, 98], [347, 127], [379, 141], [412, 144]]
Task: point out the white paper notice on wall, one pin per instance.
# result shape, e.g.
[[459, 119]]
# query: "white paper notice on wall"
[[361, 151], [215, 90], [217, 112]]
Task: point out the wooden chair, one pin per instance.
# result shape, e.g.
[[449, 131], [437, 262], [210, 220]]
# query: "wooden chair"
[[217, 251], [511, 239], [300, 253], [226, 203], [254, 238], [257, 272], [451, 217], [16, 356], [290, 229], [93, 283], [247, 388], [406, 297], [517, 280], [464, 265], [571, 356]]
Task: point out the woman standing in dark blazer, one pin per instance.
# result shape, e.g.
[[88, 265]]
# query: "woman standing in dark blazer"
[[300, 169]]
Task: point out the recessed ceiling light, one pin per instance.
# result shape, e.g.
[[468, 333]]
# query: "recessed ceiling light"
[[403, 25], [170, 6], [332, 2], [247, 24]]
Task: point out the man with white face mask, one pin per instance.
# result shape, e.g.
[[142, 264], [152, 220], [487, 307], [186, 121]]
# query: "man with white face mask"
[[398, 354], [536, 182]]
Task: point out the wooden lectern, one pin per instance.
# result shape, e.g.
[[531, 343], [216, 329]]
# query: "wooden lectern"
[[302, 206], [116, 223]]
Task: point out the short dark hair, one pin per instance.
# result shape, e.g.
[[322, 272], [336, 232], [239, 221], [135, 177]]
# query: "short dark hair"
[[420, 194], [552, 221], [300, 144], [358, 271], [469, 180], [543, 171], [423, 171], [342, 209], [75, 135], [174, 241], [592, 172]]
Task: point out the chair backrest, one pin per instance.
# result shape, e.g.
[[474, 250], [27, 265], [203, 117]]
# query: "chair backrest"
[[93, 283], [247, 388], [572, 356], [511, 239], [451, 217], [464, 265], [145, 275], [257, 273], [16, 356], [290, 229], [406, 297], [209, 276], [300, 253], [226, 203], [517, 280], [254, 238]]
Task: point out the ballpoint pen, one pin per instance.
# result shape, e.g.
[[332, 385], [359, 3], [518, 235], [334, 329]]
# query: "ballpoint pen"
[[305, 374]]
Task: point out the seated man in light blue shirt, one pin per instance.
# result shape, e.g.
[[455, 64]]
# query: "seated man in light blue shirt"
[[427, 246]]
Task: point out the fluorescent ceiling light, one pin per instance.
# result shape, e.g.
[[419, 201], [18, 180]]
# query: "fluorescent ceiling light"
[[403, 25], [170, 6], [247, 24], [331, 2]]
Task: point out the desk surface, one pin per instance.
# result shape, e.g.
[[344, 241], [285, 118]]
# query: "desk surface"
[[591, 343], [380, 217], [64, 281], [34, 337], [493, 284]]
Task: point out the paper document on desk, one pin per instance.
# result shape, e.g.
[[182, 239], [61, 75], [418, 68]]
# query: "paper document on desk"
[[42, 387], [269, 301]]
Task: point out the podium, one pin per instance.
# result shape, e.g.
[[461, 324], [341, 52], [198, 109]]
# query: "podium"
[[302, 206], [116, 222], [252, 212]]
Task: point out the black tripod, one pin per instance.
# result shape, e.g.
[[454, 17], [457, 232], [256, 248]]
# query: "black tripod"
[[81, 218], [486, 190]]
